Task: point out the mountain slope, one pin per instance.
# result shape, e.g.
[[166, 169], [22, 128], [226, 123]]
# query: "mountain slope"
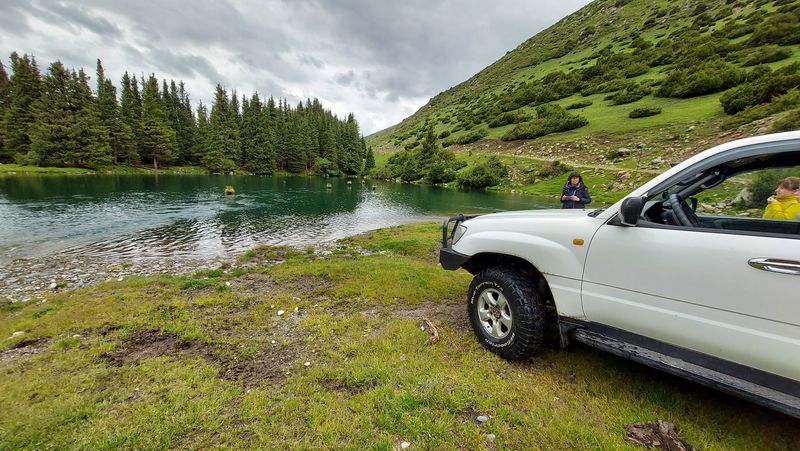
[[692, 65]]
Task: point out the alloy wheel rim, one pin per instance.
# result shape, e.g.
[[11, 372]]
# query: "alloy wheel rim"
[[494, 313]]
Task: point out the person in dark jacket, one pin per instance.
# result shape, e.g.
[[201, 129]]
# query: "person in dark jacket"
[[575, 193]]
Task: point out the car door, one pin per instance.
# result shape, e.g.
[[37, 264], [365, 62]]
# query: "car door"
[[707, 290]]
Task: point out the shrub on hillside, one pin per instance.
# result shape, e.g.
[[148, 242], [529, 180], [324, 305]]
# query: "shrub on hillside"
[[706, 79], [472, 136], [781, 29], [763, 86], [786, 102], [788, 122], [577, 105], [603, 88], [628, 95], [552, 169], [444, 134], [644, 112], [767, 54], [489, 172], [510, 117], [443, 167], [549, 119], [735, 30]]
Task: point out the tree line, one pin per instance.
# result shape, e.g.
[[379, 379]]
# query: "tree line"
[[56, 119]]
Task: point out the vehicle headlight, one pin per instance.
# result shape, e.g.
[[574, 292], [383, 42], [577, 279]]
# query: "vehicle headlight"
[[458, 233]]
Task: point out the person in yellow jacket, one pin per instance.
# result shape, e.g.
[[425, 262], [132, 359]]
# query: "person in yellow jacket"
[[784, 204]]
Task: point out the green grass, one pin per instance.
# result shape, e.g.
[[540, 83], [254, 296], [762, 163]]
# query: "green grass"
[[230, 372], [117, 169], [15, 168]]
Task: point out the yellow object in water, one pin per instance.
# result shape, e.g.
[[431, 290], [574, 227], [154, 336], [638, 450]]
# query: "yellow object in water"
[[229, 191]]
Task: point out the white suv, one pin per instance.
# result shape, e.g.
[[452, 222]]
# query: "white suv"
[[653, 278]]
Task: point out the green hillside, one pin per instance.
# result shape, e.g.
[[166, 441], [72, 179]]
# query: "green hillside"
[[696, 72]]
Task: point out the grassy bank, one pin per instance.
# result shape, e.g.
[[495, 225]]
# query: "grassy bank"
[[117, 169], [311, 349]]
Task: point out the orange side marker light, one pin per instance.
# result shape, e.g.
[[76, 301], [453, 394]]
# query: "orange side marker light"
[[578, 241]]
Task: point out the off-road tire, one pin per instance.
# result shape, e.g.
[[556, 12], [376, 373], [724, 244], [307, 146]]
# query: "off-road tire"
[[527, 307]]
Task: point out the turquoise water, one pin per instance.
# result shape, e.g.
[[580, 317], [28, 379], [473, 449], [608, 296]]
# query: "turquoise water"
[[133, 217]]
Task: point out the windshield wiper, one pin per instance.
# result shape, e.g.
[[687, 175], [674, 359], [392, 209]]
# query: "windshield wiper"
[[598, 211]]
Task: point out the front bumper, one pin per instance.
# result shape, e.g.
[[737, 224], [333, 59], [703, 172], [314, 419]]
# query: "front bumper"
[[451, 259]]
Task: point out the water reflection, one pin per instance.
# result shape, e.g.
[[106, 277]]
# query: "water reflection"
[[136, 217]]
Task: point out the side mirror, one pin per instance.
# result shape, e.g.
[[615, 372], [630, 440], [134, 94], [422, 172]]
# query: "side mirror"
[[631, 210]]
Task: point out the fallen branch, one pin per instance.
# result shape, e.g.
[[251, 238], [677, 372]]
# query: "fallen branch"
[[433, 331]]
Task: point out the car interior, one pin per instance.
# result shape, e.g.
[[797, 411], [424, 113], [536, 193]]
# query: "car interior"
[[677, 205]]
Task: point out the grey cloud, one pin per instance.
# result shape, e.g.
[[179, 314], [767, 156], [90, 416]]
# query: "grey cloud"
[[184, 65], [368, 54]]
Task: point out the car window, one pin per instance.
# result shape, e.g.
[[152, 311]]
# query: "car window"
[[757, 201]]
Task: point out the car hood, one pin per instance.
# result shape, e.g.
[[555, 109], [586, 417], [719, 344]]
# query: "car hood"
[[533, 214]]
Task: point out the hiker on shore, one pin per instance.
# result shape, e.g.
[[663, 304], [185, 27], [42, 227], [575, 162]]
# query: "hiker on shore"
[[575, 193]]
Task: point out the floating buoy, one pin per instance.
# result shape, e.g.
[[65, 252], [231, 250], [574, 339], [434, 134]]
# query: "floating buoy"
[[229, 191], [349, 182], [328, 186]]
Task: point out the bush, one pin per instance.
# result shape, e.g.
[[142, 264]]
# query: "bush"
[[764, 86], [629, 95], [787, 122], [609, 86], [788, 101], [706, 79], [472, 136], [489, 172], [444, 134], [552, 169], [27, 159], [326, 167], [511, 117], [443, 167], [781, 29], [644, 112], [577, 105], [767, 54], [550, 119], [736, 30]]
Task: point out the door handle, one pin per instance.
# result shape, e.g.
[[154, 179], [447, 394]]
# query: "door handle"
[[775, 265]]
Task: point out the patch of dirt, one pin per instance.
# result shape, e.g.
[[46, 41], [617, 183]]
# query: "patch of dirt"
[[306, 284], [353, 388], [250, 370], [661, 435], [254, 283], [453, 314], [259, 284], [23, 348], [469, 415]]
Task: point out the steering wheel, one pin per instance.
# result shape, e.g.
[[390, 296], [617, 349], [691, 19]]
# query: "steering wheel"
[[683, 213]]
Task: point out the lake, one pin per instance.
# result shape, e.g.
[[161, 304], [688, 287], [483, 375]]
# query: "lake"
[[133, 217]]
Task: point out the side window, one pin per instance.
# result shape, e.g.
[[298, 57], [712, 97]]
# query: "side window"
[[762, 201]]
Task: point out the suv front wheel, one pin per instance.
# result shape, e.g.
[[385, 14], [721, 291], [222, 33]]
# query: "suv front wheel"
[[507, 312]]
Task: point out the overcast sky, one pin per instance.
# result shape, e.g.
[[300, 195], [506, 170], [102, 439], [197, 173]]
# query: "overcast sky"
[[381, 60]]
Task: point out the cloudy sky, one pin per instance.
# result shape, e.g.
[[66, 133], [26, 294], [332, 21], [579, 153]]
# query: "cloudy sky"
[[381, 60]]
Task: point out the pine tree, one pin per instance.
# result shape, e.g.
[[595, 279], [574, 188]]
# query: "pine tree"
[[68, 130], [370, 160], [130, 113], [223, 139], [51, 135], [19, 116], [123, 146], [93, 147], [202, 133], [158, 138], [5, 100], [186, 127]]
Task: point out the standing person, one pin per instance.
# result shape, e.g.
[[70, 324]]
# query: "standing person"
[[784, 204], [575, 193]]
